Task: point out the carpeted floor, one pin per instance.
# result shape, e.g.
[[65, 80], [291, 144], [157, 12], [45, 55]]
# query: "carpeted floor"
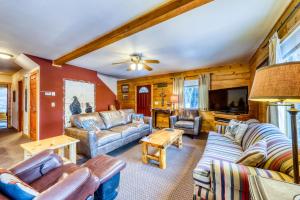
[[10, 150], [140, 181]]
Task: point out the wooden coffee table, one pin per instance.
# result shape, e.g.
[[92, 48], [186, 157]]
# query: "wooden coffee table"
[[58, 143], [161, 140]]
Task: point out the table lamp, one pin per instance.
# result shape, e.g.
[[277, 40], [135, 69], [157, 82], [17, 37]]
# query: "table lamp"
[[173, 100], [280, 83]]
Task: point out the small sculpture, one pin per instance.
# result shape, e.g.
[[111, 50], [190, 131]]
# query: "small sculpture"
[[88, 108], [75, 106]]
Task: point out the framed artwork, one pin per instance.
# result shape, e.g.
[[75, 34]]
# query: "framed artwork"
[[125, 88], [79, 97], [125, 97]]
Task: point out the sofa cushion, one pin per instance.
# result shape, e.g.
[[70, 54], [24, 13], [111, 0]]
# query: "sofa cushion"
[[184, 124], [105, 136], [125, 130], [127, 114], [279, 147], [14, 188], [254, 155], [188, 115], [76, 120], [90, 125], [236, 130], [112, 118], [218, 147]]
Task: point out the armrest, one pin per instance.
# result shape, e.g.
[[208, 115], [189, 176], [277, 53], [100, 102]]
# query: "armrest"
[[36, 166], [88, 141], [173, 120], [68, 187], [105, 167], [230, 176], [197, 125], [148, 120]]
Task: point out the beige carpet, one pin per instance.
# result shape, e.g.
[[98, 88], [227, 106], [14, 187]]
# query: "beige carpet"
[[140, 181], [10, 150]]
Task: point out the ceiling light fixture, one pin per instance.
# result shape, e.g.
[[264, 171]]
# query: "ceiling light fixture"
[[140, 66], [133, 66], [5, 56]]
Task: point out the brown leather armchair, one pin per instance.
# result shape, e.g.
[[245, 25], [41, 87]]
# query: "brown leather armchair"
[[46, 173]]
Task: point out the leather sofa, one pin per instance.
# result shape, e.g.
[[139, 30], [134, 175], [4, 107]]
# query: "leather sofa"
[[116, 130], [217, 176], [47, 175], [188, 120]]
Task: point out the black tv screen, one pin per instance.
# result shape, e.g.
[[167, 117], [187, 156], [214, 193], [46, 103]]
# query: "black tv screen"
[[231, 100]]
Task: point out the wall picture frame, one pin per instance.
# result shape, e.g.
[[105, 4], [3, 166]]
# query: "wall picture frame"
[[125, 88]]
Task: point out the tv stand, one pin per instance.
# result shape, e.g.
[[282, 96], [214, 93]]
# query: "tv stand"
[[221, 120]]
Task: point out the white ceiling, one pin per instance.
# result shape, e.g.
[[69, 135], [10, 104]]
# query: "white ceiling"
[[224, 31]]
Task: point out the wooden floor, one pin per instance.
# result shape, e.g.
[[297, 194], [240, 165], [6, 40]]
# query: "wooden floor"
[[10, 150]]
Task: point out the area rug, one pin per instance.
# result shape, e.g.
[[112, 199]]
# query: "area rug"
[[142, 182]]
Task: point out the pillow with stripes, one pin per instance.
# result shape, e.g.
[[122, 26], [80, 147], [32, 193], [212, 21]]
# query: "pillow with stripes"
[[255, 155]]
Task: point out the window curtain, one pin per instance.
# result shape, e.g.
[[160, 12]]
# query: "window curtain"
[[178, 89], [204, 86], [277, 114]]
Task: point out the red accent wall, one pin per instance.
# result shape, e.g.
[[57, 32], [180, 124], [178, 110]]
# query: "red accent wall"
[[52, 79]]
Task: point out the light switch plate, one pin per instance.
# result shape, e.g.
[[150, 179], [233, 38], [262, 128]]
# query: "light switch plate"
[[53, 94], [48, 93], [53, 104]]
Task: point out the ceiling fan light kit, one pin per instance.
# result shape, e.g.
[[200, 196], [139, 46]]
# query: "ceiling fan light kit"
[[5, 56], [137, 63]]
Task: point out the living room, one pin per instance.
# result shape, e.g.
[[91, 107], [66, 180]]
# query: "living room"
[[192, 99]]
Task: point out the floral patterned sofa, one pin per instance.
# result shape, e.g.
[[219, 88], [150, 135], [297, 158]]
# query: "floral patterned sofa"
[[217, 176]]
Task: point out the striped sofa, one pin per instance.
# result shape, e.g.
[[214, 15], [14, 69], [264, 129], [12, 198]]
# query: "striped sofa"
[[216, 176]]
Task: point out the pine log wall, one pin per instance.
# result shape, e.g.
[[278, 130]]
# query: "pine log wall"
[[289, 20], [228, 76]]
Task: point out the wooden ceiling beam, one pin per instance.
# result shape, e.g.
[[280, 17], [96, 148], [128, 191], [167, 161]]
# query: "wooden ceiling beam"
[[160, 14]]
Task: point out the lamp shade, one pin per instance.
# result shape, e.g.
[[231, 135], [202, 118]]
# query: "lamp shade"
[[174, 99], [276, 83]]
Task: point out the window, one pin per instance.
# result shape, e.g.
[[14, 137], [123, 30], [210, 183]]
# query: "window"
[[191, 94], [143, 90], [290, 50], [3, 99]]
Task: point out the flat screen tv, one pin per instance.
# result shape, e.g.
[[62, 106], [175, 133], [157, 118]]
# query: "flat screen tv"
[[230, 100]]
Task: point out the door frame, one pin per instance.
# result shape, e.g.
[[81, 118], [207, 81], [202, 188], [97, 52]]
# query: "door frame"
[[136, 95], [20, 105], [37, 72]]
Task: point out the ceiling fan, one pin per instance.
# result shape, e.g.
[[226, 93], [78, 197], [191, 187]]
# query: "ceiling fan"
[[137, 63]]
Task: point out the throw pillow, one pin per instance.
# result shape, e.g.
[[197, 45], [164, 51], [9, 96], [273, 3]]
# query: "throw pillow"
[[138, 118], [255, 155], [236, 130], [91, 125], [14, 188]]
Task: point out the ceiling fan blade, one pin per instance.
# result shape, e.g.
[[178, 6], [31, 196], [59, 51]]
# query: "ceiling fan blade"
[[117, 63], [147, 67], [152, 61]]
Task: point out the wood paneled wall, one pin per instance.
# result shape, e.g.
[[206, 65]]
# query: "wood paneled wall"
[[227, 76], [289, 20]]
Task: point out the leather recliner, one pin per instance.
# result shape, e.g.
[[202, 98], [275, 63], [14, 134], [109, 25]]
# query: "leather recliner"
[[46, 173]]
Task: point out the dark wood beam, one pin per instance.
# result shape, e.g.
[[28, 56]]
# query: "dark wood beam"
[[160, 14]]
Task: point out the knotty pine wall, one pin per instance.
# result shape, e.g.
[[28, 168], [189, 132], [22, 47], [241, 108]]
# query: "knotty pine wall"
[[285, 25], [227, 76]]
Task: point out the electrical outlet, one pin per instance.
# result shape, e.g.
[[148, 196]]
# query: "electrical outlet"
[[53, 104]]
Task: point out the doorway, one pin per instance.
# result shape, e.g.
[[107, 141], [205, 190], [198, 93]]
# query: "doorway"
[[144, 100], [33, 107], [3, 106]]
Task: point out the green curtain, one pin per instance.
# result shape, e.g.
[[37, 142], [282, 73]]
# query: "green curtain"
[[204, 87]]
